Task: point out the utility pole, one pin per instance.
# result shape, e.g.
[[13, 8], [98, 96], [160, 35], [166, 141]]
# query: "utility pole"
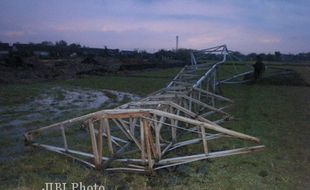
[[176, 43]]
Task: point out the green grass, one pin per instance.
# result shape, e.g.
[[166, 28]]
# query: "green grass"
[[18, 94], [138, 82], [278, 115], [158, 73], [149, 82]]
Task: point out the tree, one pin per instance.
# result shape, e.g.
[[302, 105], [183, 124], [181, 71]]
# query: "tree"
[[278, 56], [61, 43], [75, 46], [105, 51], [251, 56], [269, 57], [61, 47], [47, 43]]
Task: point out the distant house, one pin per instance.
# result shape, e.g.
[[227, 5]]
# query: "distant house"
[[41, 54]]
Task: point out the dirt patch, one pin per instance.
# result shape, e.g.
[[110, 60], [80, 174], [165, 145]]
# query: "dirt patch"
[[34, 69], [30, 69]]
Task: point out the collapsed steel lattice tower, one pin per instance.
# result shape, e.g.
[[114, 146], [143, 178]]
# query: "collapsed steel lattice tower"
[[146, 135]]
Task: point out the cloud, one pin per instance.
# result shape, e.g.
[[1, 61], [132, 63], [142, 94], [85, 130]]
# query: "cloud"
[[14, 34], [270, 40], [246, 26]]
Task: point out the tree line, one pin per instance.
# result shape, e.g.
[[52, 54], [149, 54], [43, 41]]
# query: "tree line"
[[61, 49]]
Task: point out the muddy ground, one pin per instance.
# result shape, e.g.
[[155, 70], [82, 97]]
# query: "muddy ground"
[[53, 105]]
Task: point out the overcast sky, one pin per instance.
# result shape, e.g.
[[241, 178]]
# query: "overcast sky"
[[244, 25]]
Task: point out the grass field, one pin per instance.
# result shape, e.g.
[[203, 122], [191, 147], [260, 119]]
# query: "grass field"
[[278, 114]]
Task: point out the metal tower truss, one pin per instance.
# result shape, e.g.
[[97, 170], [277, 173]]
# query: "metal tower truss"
[[176, 125]]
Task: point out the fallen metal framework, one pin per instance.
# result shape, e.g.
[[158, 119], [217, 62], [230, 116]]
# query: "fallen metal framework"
[[147, 135]]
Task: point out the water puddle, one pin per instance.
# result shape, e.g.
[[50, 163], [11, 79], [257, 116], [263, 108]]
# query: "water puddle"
[[53, 105]]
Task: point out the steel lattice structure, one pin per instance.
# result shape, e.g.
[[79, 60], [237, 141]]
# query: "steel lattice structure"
[[147, 135]]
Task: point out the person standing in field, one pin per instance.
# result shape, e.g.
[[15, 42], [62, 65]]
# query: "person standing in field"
[[259, 68]]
